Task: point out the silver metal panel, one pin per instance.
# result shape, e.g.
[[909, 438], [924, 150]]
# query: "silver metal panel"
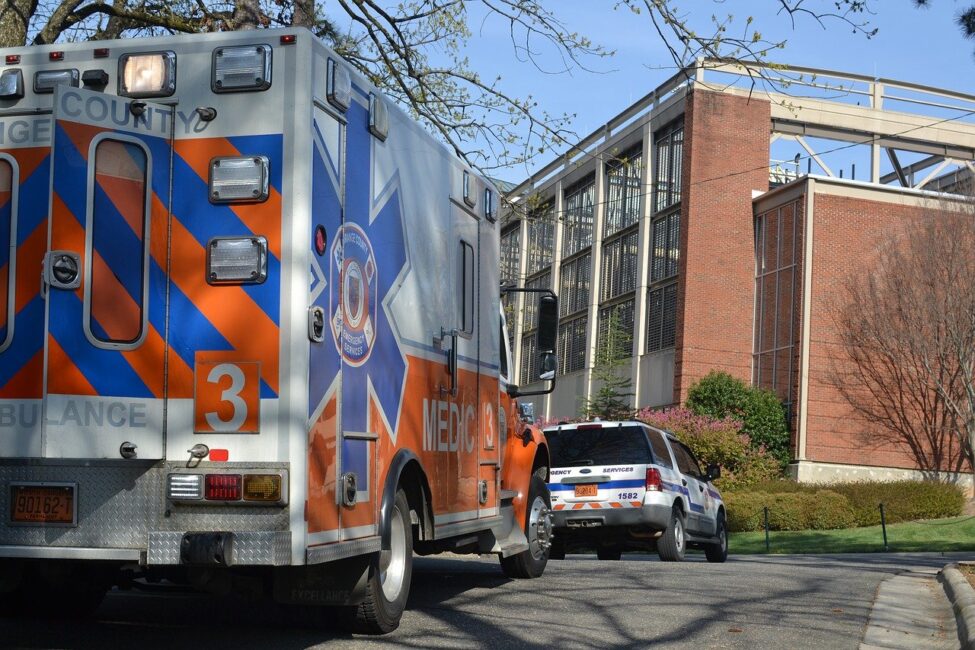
[[66, 553], [164, 548], [120, 504], [250, 548], [340, 550], [260, 548]]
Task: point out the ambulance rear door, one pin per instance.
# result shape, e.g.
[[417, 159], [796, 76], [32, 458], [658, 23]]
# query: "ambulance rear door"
[[105, 275]]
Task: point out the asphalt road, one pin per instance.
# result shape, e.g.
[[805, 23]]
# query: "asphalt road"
[[749, 602]]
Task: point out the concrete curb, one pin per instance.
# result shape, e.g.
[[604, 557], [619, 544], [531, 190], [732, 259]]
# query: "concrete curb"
[[961, 595]]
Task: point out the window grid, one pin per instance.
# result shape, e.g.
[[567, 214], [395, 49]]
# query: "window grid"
[[529, 359], [662, 317], [776, 244], [541, 238], [624, 177], [614, 338], [577, 217], [572, 345], [619, 267], [665, 240], [510, 254], [574, 285], [669, 150], [543, 281]]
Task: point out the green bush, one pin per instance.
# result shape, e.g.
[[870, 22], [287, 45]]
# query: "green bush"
[[839, 505], [823, 510], [719, 395]]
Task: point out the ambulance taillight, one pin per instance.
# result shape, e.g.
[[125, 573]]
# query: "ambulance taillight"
[[222, 487], [653, 482]]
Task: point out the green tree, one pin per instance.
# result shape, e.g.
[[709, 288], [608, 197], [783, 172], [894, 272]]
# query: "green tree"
[[719, 395], [613, 399]]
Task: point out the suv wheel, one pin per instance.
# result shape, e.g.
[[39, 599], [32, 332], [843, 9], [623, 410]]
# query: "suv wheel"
[[671, 545], [718, 552]]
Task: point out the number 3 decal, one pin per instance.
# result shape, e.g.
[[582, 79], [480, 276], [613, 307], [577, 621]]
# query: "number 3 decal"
[[227, 396]]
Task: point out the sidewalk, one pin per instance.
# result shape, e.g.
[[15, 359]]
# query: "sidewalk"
[[912, 611]]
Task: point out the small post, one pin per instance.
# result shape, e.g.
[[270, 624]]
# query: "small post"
[[767, 546], [883, 527]]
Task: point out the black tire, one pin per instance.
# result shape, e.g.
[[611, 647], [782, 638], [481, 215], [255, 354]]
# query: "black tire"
[[673, 543], [609, 552], [538, 530], [718, 552], [390, 574]]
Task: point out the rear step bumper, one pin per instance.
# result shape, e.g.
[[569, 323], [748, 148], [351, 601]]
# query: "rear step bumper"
[[654, 515]]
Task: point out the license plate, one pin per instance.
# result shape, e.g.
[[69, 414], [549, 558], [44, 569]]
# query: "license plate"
[[43, 504], [587, 490]]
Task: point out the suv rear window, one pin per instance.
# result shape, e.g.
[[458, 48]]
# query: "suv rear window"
[[602, 446]]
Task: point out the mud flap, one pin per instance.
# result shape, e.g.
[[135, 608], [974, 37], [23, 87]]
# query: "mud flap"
[[342, 582], [509, 538]]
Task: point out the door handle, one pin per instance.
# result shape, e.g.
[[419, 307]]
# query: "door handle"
[[701, 487], [684, 481], [62, 270], [451, 362]]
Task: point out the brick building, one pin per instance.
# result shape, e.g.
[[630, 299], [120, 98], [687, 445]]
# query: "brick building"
[[687, 223]]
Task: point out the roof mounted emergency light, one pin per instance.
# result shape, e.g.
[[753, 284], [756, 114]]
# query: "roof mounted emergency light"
[[12, 84], [338, 86], [46, 80], [147, 75], [237, 69], [378, 117]]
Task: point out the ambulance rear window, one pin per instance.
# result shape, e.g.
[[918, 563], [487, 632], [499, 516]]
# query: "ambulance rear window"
[[599, 446]]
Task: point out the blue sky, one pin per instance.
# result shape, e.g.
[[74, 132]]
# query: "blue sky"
[[916, 45]]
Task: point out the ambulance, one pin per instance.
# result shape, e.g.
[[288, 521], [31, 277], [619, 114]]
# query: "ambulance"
[[250, 333]]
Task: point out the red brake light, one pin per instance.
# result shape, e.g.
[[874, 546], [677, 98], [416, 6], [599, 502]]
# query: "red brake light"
[[582, 427], [289, 39], [12, 58], [101, 52], [219, 455], [654, 483], [222, 487], [56, 56]]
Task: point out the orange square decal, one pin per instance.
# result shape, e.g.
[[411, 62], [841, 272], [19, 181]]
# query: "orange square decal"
[[227, 395]]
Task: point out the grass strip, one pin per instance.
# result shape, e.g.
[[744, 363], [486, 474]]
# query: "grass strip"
[[934, 535]]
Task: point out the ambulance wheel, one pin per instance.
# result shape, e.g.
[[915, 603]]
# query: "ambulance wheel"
[[389, 576], [718, 552], [538, 530], [671, 545], [609, 552]]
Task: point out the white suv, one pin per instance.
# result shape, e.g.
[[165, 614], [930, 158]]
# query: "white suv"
[[619, 485]]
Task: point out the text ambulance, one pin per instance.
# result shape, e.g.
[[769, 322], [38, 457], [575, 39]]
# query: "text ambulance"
[[249, 330]]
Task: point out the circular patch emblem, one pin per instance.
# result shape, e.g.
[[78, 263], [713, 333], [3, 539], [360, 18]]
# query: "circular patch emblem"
[[352, 276]]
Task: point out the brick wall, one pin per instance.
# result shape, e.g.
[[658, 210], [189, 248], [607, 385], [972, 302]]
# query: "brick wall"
[[726, 154], [847, 235]]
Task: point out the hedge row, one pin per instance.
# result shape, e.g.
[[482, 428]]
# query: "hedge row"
[[794, 506]]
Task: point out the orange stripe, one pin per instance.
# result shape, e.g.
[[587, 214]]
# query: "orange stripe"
[[67, 234], [579, 506], [616, 504], [30, 256], [560, 506], [262, 218], [111, 305], [29, 159], [81, 135], [635, 504], [159, 232], [27, 383], [127, 196], [228, 308], [68, 380]]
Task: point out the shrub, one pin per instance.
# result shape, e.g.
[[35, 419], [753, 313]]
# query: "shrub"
[[823, 510], [840, 505], [718, 441], [719, 395]]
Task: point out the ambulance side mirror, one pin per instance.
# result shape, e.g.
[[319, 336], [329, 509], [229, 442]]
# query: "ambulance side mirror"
[[545, 342]]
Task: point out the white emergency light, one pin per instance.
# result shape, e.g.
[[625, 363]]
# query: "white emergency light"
[[184, 487], [11, 84], [239, 180], [45, 81], [147, 75], [243, 68], [378, 117], [338, 86], [237, 260]]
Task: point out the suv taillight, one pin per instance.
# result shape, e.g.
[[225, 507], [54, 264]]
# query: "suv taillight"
[[653, 480]]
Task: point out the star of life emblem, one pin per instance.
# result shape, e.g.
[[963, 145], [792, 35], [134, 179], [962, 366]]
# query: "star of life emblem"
[[353, 314]]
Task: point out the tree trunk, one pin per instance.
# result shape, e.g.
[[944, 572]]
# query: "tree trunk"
[[14, 18], [247, 14], [304, 14]]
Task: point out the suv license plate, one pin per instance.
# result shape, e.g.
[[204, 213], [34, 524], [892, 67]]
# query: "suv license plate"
[[43, 504], [587, 490]]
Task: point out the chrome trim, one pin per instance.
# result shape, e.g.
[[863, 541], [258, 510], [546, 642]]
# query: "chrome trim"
[[464, 527], [340, 550], [71, 553]]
